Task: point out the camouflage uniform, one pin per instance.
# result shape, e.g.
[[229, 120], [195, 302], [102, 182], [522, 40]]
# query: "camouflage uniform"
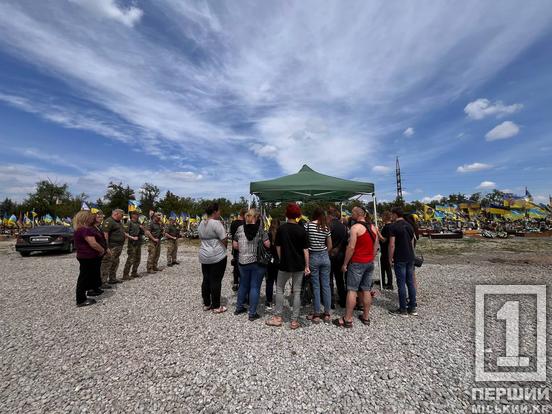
[[172, 245], [110, 263], [134, 250], [154, 249]]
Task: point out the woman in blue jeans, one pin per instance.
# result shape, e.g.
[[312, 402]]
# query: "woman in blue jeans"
[[320, 242], [246, 241]]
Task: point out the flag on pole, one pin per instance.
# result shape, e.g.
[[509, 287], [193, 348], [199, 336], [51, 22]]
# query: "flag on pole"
[[133, 205]]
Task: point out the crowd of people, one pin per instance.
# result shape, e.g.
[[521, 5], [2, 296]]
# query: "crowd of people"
[[332, 259], [99, 243], [324, 253]]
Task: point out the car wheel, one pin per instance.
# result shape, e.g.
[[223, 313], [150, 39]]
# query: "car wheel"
[[70, 248], [25, 254]]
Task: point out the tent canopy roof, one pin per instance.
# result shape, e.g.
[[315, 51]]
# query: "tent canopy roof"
[[308, 184]]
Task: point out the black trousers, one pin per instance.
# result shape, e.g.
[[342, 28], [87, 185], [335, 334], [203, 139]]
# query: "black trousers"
[[271, 277], [235, 255], [337, 277], [386, 272], [89, 277], [212, 283]]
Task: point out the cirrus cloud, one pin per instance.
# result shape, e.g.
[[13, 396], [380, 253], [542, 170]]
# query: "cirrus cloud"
[[111, 10]]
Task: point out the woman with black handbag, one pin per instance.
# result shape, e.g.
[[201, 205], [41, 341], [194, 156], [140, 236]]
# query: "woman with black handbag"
[[252, 243]]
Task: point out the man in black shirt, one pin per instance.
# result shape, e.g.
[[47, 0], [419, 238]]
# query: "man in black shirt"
[[233, 228], [401, 256], [337, 254], [385, 265]]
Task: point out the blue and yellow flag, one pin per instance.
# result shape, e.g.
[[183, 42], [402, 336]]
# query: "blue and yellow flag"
[[133, 205]]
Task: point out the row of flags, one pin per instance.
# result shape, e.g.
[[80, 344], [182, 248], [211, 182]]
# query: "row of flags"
[[511, 208], [30, 219]]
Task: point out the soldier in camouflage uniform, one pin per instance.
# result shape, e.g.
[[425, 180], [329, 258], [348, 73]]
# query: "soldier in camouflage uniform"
[[154, 233], [115, 236], [171, 234], [135, 238]]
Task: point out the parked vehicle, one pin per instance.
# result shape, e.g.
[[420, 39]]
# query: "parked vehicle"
[[45, 238]]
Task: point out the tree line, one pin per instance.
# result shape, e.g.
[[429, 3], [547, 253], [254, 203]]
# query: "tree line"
[[56, 200]]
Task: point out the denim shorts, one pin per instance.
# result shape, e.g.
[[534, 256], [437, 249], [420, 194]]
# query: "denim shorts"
[[359, 276]]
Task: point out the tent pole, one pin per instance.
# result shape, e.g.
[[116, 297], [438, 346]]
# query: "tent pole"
[[382, 288], [375, 211]]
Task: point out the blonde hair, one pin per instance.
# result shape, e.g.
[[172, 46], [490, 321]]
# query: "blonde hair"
[[81, 219], [250, 216]]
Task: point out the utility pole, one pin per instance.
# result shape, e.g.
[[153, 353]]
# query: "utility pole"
[[399, 183]]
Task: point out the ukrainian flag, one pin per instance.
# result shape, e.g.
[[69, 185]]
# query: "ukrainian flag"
[[133, 205]]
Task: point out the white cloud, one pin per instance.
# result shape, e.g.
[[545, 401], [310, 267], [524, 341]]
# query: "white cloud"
[[482, 108], [436, 197], [505, 130], [476, 166], [288, 100], [408, 132], [486, 185], [268, 151], [187, 175], [109, 9], [381, 169]]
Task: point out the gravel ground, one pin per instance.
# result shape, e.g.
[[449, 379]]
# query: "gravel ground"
[[148, 346]]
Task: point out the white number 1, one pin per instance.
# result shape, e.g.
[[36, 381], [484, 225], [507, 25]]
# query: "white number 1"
[[510, 313]]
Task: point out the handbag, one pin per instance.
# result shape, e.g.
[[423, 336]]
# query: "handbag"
[[418, 260], [264, 256]]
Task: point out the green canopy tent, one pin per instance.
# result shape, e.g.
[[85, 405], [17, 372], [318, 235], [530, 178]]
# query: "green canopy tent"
[[310, 185]]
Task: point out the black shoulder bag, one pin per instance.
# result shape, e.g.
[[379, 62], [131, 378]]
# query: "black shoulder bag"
[[264, 256]]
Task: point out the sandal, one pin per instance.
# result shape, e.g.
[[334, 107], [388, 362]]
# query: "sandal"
[[342, 323], [314, 318], [206, 308], [222, 309], [275, 321], [294, 325], [364, 321], [327, 318]]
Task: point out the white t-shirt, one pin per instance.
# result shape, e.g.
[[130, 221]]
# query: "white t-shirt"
[[211, 232]]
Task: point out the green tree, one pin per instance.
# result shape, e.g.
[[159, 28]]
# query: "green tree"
[[457, 198], [149, 193], [8, 206], [117, 196], [170, 202], [494, 197], [46, 197], [475, 197]]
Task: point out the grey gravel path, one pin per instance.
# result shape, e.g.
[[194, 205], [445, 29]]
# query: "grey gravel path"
[[148, 346]]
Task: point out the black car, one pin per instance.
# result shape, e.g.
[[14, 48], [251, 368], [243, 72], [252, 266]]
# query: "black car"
[[45, 238]]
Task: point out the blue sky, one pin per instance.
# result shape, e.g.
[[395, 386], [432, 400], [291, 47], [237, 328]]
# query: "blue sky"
[[203, 97]]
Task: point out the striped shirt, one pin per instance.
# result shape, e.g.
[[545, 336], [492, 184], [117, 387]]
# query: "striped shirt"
[[317, 237]]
